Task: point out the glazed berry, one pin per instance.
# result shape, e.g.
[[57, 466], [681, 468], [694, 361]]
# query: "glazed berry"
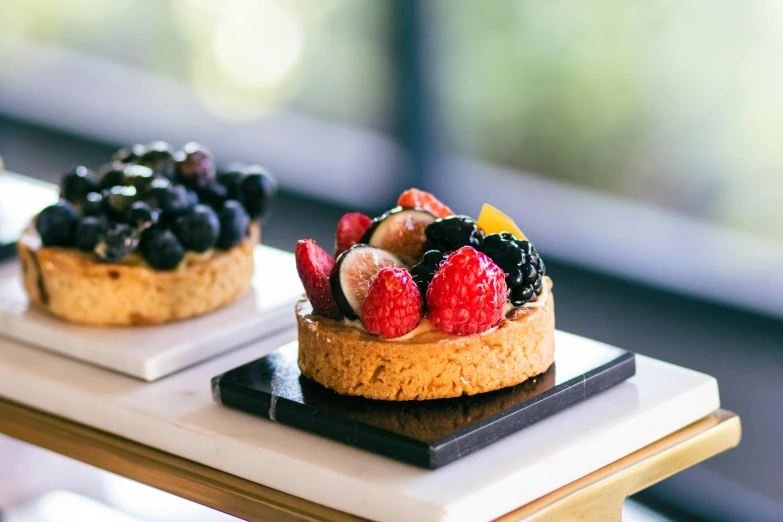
[[393, 304], [314, 266], [155, 192], [162, 250], [519, 260], [77, 183], [142, 216], [129, 154], [424, 271], [56, 223], [415, 198], [453, 232], [138, 176], [117, 243], [117, 202], [198, 230], [110, 175], [468, 293], [89, 232], [213, 195], [92, 204], [176, 200], [234, 222], [232, 180], [159, 158], [350, 230], [195, 166], [257, 191]]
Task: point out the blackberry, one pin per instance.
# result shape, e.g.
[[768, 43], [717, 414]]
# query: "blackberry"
[[92, 204], [142, 216], [110, 175], [129, 154], [424, 271], [138, 176], [521, 263], [451, 233], [76, 184], [195, 166], [89, 232], [117, 201], [159, 158], [119, 241]]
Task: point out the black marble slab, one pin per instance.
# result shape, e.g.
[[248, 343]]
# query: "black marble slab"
[[428, 434]]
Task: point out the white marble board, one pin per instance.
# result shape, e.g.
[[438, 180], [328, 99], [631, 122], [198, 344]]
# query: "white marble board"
[[177, 415], [152, 352]]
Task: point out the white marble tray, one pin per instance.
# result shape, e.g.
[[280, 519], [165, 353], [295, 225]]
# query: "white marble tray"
[[151, 352], [177, 415]]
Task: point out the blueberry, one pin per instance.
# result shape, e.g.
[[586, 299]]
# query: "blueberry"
[[195, 166], [138, 176], [177, 200], [142, 216], [77, 183], [232, 180], [162, 250], [118, 200], [119, 241], [90, 231], [110, 175], [257, 191], [159, 158], [213, 195], [92, 204], [233, 224], [56, 223], [198, 230], [129, 154]]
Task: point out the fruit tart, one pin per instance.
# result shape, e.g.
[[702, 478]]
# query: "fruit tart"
[[420, 303], [154, 236]]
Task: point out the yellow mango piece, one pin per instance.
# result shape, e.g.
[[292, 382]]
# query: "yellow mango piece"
[[493, 221]]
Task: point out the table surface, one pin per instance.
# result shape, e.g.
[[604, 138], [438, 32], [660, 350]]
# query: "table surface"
[[177, 416]]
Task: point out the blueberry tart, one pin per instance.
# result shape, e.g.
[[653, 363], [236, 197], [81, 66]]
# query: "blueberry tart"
[[153, 236]]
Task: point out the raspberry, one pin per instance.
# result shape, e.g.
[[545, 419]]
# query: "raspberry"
[[415, 198], [314, 266], [467, 294], [393, 304], [350, 230]]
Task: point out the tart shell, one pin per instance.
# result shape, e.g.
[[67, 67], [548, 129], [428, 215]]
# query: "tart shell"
[[74, 286], [433, 365]]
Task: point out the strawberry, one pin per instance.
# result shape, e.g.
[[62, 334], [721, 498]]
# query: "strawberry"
[[467, 293], [393, 304], [314, 266], [415, 198], [350, 230]]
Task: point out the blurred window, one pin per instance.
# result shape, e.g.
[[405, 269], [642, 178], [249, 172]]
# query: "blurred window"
[[670, 103]]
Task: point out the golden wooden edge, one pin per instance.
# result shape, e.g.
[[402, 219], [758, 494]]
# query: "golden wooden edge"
[[597, 496]]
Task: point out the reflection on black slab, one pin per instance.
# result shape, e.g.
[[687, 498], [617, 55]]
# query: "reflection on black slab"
[[425, 421]]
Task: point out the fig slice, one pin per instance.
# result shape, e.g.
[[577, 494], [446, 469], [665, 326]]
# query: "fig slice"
[[401, 232], [350, 277]]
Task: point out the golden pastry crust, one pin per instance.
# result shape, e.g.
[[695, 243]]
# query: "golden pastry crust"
[[431, 365], [72, 285]]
